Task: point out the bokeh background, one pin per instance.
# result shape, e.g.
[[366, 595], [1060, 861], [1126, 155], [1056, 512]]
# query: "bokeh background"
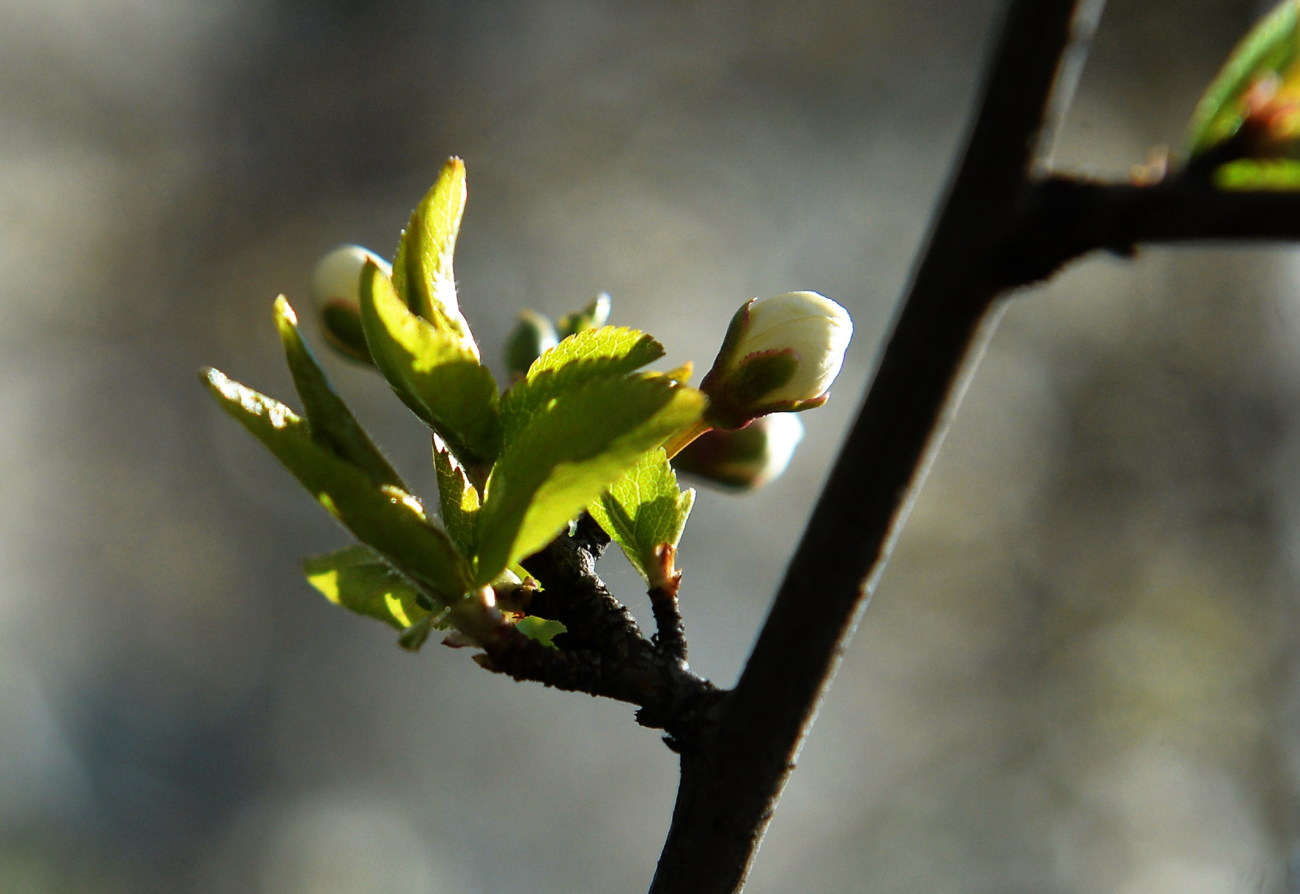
[[1077, 674]]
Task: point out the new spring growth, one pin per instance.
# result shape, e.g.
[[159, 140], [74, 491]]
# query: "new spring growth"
[[336, 290], [779, 355]]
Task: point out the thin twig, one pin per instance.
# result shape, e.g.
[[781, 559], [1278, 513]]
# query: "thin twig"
[[669, 695], [670, 630]]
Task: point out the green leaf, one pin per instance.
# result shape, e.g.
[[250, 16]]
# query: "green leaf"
[[571, 450], [1269, 48], [543, 630], [610, 351], [457, 498], [644, 511], [431, 371], [358, 579], [422, 270], [331, 422], [1282, 174], [382, 516]]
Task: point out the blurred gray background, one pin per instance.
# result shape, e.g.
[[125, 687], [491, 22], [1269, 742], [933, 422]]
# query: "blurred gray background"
[[1077, 674]]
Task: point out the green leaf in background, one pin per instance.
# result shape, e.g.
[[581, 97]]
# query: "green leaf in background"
[[458, 499], [1261, 70], [422, 271], [643, 511], [384, 517], [358, 579], [432, 372], [331, 422], [571, 450], [610, 351], [1281, 174]]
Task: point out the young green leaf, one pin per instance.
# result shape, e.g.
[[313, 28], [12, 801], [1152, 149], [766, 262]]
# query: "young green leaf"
[[643, 511], [457, 497], [571, 450], [330, 420], [584, 357], [358, 579], [384, 517], [422, 271], [433, 373], [1264, 60], [541, 629]]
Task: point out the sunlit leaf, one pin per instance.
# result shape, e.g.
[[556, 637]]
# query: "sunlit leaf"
[[358, 579], [541, 629], [423, 274], [432, 372], [584, 357], [331, 422], [457, 497], [385, 517], [643, 511], [571, 450]]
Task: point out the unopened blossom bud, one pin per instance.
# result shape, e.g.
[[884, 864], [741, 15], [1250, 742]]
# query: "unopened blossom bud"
[[780, 355], [338, 274], [532, 336], [743, 458], [336, 291], [593, 316]]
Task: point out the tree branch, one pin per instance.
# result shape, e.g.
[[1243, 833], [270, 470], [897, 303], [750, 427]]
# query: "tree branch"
[[731, 784], [603, 652], [1063, 218]]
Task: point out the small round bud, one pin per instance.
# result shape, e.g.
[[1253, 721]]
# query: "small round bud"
[[532, 336], [338, 274], [593, 316], [335, 289], [780, 355], [744, 458]]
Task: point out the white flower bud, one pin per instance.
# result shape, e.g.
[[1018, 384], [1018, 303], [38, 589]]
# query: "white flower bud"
[[813, 326], [337, 276], [780, 355], [335, 289], [744, 458]]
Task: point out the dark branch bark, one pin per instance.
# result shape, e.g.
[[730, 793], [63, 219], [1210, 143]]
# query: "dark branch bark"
[[670, 630], [1063, 218], [603, 652], [730, 786]]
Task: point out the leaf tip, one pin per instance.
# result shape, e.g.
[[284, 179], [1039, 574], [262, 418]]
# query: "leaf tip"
[[283, 311]]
